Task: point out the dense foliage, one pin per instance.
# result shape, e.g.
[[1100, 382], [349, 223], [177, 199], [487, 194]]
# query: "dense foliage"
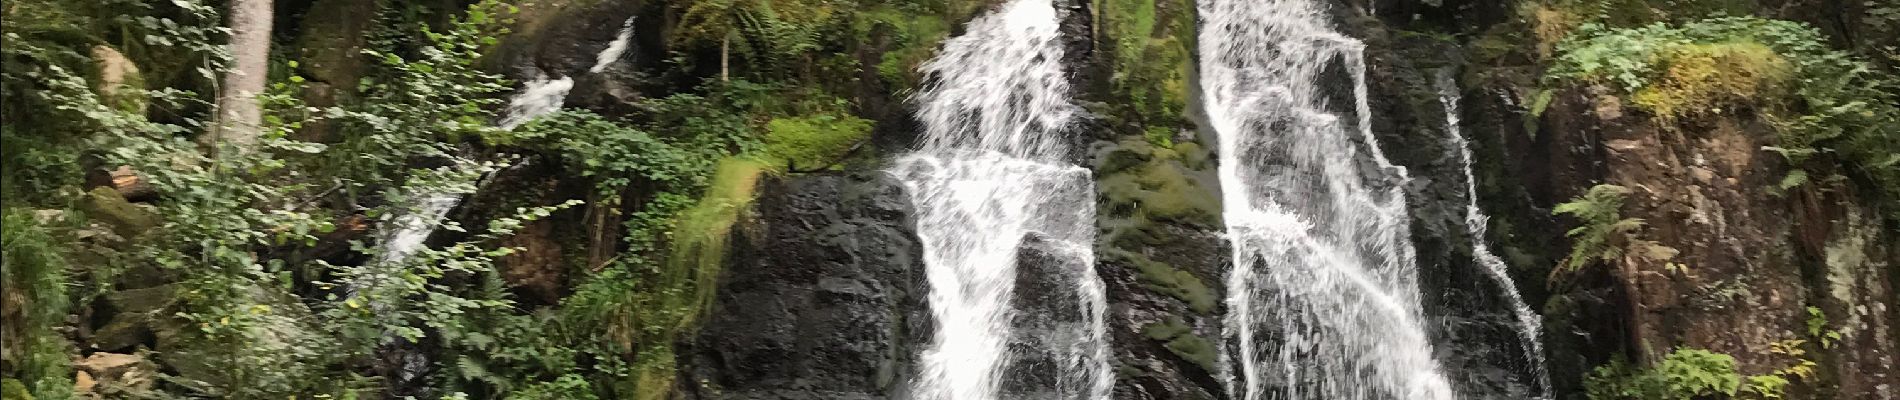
[[231, 253]]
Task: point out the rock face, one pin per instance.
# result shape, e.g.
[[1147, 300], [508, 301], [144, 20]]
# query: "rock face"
[[822, 296], [1751, 262]]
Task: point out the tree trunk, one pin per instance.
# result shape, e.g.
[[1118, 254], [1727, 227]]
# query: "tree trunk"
[[725, 58], [239, 115]]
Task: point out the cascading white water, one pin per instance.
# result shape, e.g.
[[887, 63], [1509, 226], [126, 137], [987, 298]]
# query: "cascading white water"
[[990, 182], [1529, 326], [537, 97], [1323, 298], [414, 226], [615, 49]]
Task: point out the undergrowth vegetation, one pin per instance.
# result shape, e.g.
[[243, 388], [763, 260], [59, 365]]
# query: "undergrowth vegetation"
[[250, 296]]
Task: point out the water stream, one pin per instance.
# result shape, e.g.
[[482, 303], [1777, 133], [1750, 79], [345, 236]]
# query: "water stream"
[[1529, 326], [1007, 222], [1323, 298], [538, 97]]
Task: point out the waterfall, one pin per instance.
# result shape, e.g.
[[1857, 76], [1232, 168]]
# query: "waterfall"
[[615, 49], [412, 227], [1323, 298], [538, 97], [1529, 326], [1006, 222]]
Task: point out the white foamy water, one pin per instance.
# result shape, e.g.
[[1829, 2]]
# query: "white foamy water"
[[1323, 298], [990, 182], [414, 226], [615, 49], [537, 98], [1529, 325]]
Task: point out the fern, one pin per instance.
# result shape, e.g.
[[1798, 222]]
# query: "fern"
[[1605, 234]]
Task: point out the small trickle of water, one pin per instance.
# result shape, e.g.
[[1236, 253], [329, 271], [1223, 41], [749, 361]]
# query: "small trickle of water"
[[1323, 298], [414, 226], [614, 50], [998, 206], [1529, 326]]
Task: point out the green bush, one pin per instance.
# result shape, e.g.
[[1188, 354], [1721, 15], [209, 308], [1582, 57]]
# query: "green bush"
[[1684, 374]]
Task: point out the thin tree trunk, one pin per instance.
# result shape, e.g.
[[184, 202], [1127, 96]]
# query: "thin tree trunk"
[[725, 58], [239, 116]]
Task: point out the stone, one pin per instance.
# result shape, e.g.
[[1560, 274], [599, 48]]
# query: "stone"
[[83, 383], [821, 298], [118, 80], [137, 318], [1702, 175], [107, 205], [118, 371]]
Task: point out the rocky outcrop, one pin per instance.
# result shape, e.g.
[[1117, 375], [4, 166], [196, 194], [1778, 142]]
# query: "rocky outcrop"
[[822, 297], [1751, 261]]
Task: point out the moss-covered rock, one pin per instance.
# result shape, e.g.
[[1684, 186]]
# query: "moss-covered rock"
[[1141, 180], [108, 206], [118, 81], [1179, 338], [1164, 278]]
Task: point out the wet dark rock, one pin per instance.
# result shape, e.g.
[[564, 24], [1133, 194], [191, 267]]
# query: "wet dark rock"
[[822, 297]]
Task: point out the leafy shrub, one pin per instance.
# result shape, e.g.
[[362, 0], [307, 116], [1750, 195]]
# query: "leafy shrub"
[[613, 155], [1684, 374]]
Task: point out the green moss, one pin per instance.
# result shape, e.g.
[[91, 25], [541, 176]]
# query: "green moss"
[[1166, 329], [1705, 78], [813, 141], [701, 234], [1142, 180], [1195, 349], [1159, 136], [689, 278], [106, 205], [1192, 155], [1126, 371], [1181, 340], [1164, 278]]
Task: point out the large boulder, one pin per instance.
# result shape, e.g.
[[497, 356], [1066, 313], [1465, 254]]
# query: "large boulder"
[[822, 296]]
